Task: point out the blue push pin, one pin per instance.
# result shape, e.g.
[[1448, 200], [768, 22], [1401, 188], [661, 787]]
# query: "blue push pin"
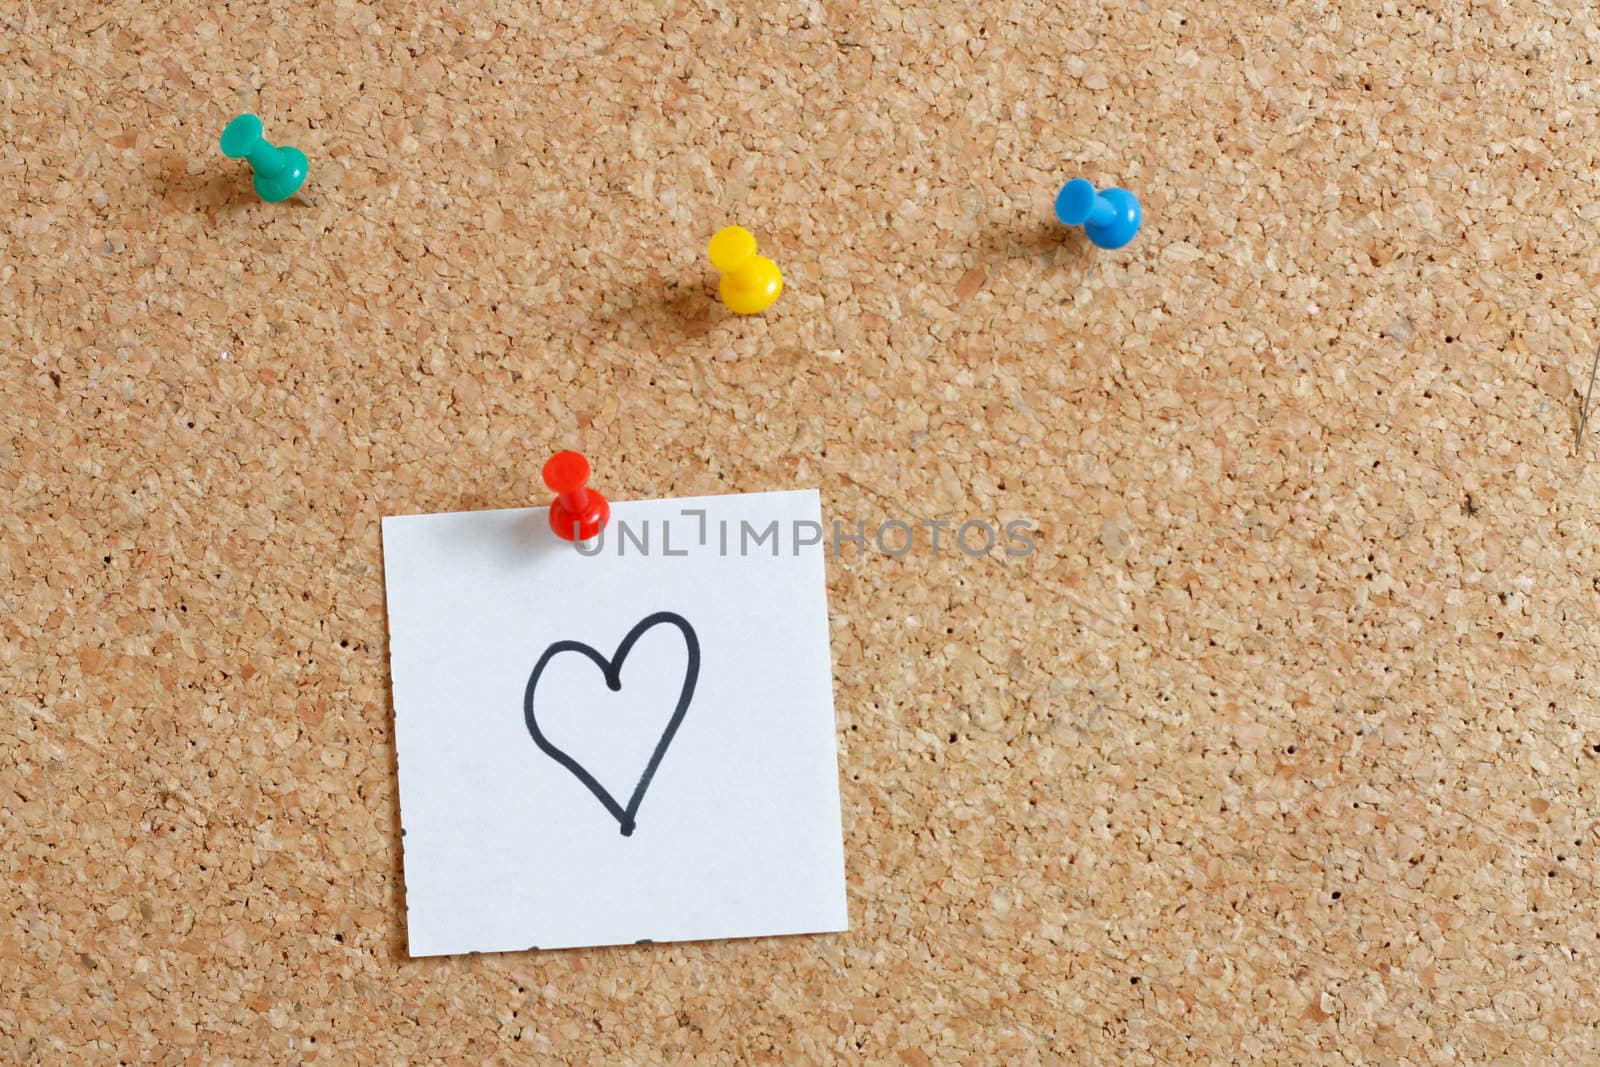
[[278, 171], [1110, 219]]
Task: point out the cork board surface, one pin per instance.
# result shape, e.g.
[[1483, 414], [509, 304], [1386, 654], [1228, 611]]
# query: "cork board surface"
[[1283, 745]]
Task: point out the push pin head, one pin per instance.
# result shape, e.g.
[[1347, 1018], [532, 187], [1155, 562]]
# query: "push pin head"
[[1109, 218], [578, 512], [279, 172], [750, 282]]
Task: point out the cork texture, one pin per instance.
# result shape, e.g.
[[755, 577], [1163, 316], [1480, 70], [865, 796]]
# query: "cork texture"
[[1281, 747]]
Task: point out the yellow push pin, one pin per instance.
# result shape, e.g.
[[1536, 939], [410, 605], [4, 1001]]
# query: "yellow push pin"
[[750, 283]]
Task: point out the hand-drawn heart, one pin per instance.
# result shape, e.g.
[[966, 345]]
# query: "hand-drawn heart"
[[612, 669]]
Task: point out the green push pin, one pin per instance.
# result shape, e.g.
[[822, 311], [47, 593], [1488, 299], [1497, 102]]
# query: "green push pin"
[[278, 171]]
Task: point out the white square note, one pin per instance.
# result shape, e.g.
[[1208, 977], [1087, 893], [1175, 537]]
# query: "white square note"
[[632, 742]]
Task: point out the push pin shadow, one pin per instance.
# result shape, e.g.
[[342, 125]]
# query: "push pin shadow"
[[1109, 218], [578, 513], [1588, 395], [279, 171]]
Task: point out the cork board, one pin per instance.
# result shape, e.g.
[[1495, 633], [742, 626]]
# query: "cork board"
[[1282, 746]]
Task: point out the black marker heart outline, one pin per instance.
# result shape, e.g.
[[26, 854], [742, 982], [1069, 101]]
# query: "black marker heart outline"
[[612, 670]]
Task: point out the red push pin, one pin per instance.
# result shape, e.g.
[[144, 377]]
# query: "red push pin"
[[578, 512]]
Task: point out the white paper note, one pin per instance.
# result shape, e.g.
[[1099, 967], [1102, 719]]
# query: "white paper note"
[[543, 808]]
